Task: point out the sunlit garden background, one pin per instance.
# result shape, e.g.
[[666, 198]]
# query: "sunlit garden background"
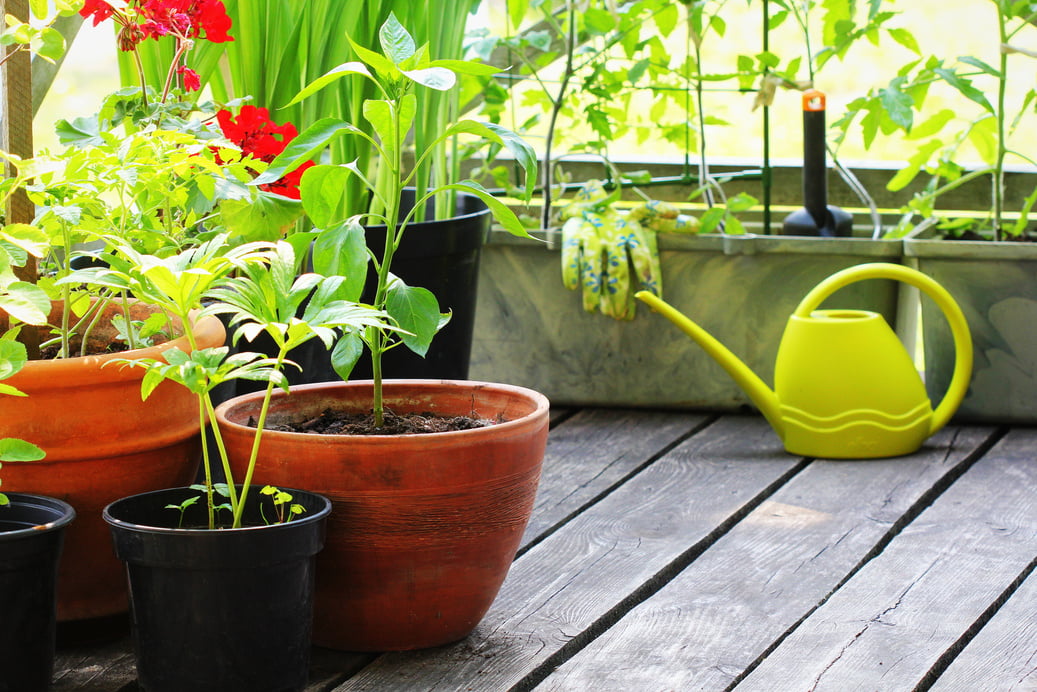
[[90, 72]]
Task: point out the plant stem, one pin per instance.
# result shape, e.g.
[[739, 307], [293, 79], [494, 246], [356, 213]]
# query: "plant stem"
[[66, 290], [556, 107], [206, 464], [221, 448], [143, 79], [210, 418], [393, 234], [239, 505], [999, 162], [704, 176], [131, 342]]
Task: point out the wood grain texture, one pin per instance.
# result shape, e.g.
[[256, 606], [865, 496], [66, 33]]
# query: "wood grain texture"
[[596, 449], [112, 668], [718, 616], [1003, 656], [106, 668], [572, 583], [888, 626]]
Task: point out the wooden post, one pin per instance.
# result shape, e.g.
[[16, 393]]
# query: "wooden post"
[[16, 138]]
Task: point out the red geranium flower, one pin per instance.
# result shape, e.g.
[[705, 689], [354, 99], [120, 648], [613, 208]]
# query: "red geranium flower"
[[192, 82], [98, 9], [185, 19], [263, 139]]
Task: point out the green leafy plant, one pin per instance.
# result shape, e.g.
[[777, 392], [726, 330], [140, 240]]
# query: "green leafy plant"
[[150, 169], [283, 44], [38, 37], [12, 359], [261, 289], [24, 302], [606, 57], [395, 72], [284, 509], [942, 138]]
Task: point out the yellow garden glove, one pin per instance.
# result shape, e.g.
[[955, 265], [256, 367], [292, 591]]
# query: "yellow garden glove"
[[600, 247], [664, 217]]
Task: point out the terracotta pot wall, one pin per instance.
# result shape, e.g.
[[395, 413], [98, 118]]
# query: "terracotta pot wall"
[[423, 527], [102, 443]]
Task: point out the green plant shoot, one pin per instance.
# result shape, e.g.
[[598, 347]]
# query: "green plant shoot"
[[400, 68]]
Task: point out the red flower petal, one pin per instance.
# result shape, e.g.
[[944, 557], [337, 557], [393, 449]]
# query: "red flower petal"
[[192, 82]]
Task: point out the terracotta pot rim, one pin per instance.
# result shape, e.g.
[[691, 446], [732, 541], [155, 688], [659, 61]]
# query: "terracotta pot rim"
[[541, 402], [208, 329]]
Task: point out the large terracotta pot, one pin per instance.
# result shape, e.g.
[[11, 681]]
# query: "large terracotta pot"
[[102, 443], [423, 527]]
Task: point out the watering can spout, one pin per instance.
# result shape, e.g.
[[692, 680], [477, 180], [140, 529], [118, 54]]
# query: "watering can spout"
[[761, 395]]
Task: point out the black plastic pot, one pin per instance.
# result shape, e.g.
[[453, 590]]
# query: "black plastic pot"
[[442, 256], [229, 609], [32, 529]]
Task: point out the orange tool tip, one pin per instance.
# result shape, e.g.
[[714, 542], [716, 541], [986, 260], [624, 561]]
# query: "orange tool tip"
[[813, 100]]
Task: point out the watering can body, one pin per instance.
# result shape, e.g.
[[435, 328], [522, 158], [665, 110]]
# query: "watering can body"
[[844, 385]]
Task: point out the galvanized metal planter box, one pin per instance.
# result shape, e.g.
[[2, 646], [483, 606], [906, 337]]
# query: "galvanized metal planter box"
[[996, 286], [531, 331]]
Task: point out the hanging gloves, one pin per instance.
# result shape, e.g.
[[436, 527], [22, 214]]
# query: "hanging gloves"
[[600, 247], [664, 217]]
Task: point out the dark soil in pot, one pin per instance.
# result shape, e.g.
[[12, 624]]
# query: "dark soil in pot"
[[332, 422]]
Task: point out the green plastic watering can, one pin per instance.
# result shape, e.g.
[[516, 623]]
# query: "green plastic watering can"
[[844, 385]]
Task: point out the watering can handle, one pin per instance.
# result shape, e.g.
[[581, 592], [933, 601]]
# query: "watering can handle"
[[955, 317]]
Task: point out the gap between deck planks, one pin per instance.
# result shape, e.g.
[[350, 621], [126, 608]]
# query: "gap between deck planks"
[[574, 584], [588, 452], [928, 593], [728, 608]]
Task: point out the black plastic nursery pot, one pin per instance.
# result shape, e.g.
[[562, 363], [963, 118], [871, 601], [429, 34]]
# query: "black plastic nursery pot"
[[442, 256], [32, 529], [224, 609]]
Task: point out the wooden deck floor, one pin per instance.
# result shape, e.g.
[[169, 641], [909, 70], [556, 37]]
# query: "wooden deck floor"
[[678, 551]]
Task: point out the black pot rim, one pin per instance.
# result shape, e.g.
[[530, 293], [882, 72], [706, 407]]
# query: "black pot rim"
[[63, 513], [409, 195], [309, 517]]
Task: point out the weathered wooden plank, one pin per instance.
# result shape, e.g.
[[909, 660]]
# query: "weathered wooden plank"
[[895, 619], [328, 667], [1003, 656], [574, 583], [111, 668], [722, 613], [106, 668], [594, 450]]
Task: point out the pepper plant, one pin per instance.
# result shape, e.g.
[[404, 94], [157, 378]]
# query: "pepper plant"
[[261, 289], [396, 73]]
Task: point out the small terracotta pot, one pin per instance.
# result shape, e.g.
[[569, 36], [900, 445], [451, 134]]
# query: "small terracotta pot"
[[423, 527], [102, 443]]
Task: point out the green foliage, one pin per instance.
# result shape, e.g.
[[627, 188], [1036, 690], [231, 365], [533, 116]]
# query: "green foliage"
[[258, 285], [281, 45], [399, 74], [38, 36], [284, 509], [981, 122], [12, 359]]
